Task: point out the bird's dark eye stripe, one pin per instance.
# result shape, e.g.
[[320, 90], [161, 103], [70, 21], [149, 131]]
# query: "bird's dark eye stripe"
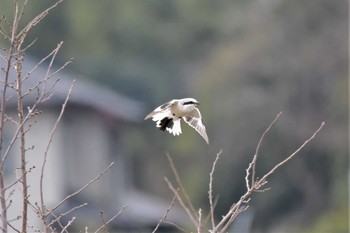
[[188, 102]]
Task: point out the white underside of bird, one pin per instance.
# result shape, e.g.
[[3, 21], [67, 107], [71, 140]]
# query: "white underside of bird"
[[168, 116]]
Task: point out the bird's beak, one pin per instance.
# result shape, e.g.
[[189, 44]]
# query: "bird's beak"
[[197, 103]]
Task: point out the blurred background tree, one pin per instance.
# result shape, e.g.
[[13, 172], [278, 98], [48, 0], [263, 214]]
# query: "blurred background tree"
[[244, 61]]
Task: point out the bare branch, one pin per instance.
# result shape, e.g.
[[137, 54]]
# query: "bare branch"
[[182, 188], [210, 192], [81, 189], [21, 12], [34, 22], [258, 147], [111, 219], [237, 208], [48, 147], [22, 140], [58, 222], [57, 218], [183, 205], [167, 211], [262, 181], [12, 227], [199, 227], [30, 45], [208, 217], [68, 224], [59, 45]]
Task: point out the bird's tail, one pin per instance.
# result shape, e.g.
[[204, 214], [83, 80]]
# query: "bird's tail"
[[176, 130]]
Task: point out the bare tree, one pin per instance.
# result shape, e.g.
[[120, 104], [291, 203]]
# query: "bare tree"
[[253, 184], [13, 56], [13, 78]]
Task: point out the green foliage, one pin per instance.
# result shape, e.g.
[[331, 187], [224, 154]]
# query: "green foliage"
[[335, 221], [245, 61]]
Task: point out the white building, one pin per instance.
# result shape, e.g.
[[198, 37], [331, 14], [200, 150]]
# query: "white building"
[[86, 141]]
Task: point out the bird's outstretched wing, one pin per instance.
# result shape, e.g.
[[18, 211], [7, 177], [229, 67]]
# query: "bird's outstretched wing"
[[164, 119], [162, 108], [194, 119]]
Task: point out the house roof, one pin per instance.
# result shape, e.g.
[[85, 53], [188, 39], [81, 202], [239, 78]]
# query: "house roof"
[[86, 94]]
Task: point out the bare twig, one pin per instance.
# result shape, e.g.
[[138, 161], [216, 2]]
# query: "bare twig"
[[210, 192], [3, 204], [35, 21], [167, 211], [22, 146], [182, 189], [237, 208], [3, 210], [111, 219], [43, 210], [81, 189], [208, 217], [34, 106], [21, 12], [183, 205], [103, 221], [199, 227], [258, 147], [12, 227], [58, 222], [262, 181], [57, 218], [13, 52], [68, 224]]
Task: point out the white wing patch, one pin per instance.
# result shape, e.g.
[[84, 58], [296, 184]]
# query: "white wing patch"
[[160, 115], [195, 121], [176, 129], [161, 109]]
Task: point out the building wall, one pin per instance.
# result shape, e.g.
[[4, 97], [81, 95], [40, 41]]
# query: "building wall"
[[87, 152], [38, 137]]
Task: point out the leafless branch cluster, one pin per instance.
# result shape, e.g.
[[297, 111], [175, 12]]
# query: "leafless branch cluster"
[[14, 85], [253, 184]]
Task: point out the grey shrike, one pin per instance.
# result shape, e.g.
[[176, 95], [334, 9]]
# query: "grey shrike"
[[168, 116]]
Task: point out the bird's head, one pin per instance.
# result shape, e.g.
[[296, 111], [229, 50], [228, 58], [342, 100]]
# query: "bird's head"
[[188, 102]]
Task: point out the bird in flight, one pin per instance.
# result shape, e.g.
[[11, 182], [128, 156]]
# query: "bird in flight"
[[168, 116]]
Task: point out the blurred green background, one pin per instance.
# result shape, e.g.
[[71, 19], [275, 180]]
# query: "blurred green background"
[[245, 61]]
